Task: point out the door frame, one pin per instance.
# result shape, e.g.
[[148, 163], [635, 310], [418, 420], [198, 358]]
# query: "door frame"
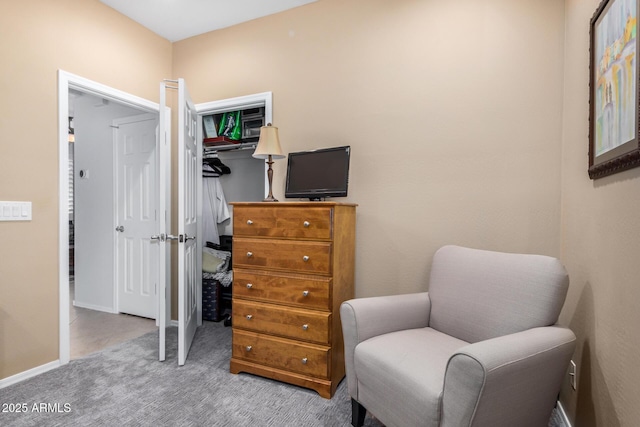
[[67, 81]]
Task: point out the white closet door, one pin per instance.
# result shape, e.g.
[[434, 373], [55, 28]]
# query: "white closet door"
[[189, 207]]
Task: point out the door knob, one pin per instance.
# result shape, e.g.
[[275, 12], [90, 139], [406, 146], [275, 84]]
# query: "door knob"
[[120, 228]]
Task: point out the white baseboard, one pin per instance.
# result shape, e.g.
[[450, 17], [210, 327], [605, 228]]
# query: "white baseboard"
[[563, 414], [29, 374], [94, 307]]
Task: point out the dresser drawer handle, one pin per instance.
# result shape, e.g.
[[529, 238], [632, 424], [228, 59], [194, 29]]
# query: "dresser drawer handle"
[[249, 316], [305, 293], [249, 254], [249, 222], [249, 285], [306, 224], [248, 348], [304, 360], [305, 258], [305, 327]]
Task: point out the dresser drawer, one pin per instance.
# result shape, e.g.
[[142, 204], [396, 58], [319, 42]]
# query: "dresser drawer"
[[306, 325], [287, 222], [303, 358], [299, 256], [301, 291]]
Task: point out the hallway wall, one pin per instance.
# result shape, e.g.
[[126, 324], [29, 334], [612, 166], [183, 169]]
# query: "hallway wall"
[[94, 201]]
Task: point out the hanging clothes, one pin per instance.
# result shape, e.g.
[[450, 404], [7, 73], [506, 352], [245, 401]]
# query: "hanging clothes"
[[214, 209], [209, 172], [214, 167]]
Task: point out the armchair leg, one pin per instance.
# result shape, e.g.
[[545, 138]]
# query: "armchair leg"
[[357, 413]]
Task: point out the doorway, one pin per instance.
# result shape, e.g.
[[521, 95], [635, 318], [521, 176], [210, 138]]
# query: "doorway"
[[68, 82], [101, 128], [93, 243]]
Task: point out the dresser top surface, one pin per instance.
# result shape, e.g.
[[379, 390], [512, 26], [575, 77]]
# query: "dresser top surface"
[[288, 204]]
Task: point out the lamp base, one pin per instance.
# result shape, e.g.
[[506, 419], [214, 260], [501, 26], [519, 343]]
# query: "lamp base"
[[270, 197]]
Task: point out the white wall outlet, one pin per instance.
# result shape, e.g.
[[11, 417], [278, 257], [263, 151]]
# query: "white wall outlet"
[[573, 374]]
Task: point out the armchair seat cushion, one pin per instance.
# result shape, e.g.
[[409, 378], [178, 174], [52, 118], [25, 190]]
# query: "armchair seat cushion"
[[408, 368]]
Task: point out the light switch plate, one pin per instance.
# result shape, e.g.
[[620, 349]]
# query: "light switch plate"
[[15, 211]]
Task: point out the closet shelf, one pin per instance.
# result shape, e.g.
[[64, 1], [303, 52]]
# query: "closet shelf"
[[229, 147]]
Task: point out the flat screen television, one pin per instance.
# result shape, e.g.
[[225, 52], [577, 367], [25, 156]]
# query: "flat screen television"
[[318, 174]]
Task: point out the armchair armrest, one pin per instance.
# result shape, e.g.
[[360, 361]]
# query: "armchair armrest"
[[509, 380], [364, 318]]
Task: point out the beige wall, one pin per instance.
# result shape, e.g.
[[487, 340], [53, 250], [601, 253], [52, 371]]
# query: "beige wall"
[[600, 247], [468, 123], [453, 111], [38, 37]]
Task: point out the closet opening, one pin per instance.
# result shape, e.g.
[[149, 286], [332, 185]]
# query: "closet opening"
[[230, 174]]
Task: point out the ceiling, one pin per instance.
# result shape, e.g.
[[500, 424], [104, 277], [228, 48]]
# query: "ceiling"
[[179, 19]]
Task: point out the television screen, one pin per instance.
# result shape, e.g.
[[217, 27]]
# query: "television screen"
[[318, 174]]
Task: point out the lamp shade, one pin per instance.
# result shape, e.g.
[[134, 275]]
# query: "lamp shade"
[[268, 144]]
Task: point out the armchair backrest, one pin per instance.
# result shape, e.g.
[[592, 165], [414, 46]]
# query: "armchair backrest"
[[477, 295]]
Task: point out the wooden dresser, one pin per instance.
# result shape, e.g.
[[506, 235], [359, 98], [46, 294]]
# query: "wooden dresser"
[[293, 265]]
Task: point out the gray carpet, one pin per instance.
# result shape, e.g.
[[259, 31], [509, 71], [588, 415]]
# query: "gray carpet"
[[126, 385]]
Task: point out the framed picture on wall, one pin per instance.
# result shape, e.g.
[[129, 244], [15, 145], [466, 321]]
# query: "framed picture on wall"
[[614, 117]]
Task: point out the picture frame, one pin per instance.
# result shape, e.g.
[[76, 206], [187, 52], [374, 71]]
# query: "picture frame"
[[614, 97]]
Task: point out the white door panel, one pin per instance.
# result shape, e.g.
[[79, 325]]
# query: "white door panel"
[[189, 189], [137, 254]]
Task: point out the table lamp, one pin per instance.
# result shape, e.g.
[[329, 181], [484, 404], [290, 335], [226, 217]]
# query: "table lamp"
[[269, 148]]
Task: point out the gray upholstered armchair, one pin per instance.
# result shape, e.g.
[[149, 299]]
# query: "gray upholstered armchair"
[[481, 348]]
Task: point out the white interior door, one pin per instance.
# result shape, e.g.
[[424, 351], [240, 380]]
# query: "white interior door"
[[189, 205], [189, 255], [189, 212], [164, 280], [189, 182], [137, 254]]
